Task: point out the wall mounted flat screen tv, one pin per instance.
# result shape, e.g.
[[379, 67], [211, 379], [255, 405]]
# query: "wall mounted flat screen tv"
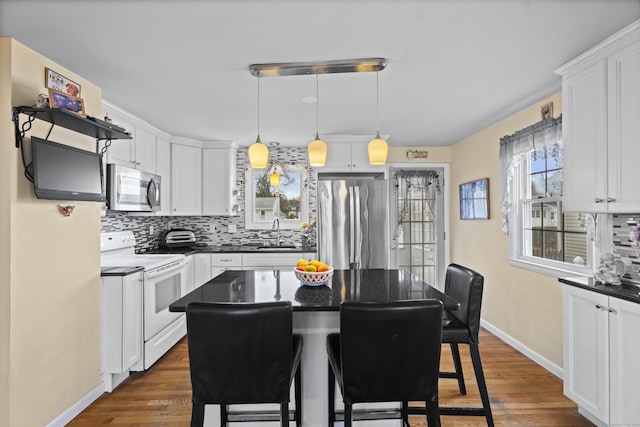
[[62, 172]]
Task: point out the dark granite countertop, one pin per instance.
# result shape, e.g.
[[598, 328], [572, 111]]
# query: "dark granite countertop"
[[627, 292], [231, 249], [119, 271], [375, 285]]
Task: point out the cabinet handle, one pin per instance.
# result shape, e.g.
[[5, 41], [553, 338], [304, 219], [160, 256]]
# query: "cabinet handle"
[[600, 307], [610, 199], [597, 200], [611, 310]]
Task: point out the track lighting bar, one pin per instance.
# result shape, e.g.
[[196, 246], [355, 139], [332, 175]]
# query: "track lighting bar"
[[326, 67]]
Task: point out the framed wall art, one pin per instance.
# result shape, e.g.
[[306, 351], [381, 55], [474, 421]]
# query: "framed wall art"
[[55, 81], [67, 102], [474, 199]]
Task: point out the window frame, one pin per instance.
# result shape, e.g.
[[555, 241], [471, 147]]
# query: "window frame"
[[549, 267], [285, 224]]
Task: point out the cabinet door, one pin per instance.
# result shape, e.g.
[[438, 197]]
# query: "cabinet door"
[[190, 276], [163, 168], [202, 269], [217, 181], [360, 158], [186, 180], [624, 129], [132, 339], [584, 129], [338, 157], [586, 350], [624, 356], [121, 150], [145, 150]]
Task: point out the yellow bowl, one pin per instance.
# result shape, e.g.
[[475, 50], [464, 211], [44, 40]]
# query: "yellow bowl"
[[309, 278]]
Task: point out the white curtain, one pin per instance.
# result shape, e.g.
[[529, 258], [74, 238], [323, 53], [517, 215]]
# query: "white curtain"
[[421, 185], [540, 139]]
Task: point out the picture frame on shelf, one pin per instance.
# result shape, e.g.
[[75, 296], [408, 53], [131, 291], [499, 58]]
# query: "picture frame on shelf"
[[56, 81], [474, 199], [67, 102]]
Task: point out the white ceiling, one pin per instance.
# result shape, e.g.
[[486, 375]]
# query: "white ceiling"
[[454, 66]]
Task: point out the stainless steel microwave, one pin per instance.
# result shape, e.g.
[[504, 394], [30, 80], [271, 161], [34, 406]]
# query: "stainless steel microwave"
[[132, 190]]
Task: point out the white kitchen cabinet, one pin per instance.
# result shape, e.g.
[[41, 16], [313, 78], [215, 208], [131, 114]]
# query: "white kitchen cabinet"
[[121, 314], [349, 157], [221, 262], [219, 181], [273, 259], [186, 180], [138, 152], [202, 269], [163, 169], [601, 130], [601, 350], [190, 275]]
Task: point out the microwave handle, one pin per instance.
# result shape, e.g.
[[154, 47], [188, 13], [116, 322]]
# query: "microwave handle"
[[153, 195]]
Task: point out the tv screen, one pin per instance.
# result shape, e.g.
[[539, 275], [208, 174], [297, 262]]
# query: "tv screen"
[[62, 172]]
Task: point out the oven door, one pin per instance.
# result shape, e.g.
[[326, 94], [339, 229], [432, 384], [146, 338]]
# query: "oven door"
[[162, 287]]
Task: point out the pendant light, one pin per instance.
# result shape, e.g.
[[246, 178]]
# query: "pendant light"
[[317, 149], [258, 152], [378, 147], [274, 178]]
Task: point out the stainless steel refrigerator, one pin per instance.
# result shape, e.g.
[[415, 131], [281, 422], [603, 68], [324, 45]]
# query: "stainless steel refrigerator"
[[353, 221]]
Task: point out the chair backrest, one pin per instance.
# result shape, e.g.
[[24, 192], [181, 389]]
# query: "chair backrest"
[[240, 353], [390, 351], [465, 286]]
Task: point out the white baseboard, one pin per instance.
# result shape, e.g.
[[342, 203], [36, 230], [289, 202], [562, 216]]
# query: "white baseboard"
[[540, 360], [82, 404]]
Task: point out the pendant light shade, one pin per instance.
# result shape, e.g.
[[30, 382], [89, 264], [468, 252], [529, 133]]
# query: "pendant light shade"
[[378, 147], [258, 152], [317, 149], [274, 179]]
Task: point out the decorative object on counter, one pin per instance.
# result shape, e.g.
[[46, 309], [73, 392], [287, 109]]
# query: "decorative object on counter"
[[67, 102], [610, 270], [634, 236], [308, 231], [55, 81], [474, 199], [43, 101], [65, 210], [310, 278]]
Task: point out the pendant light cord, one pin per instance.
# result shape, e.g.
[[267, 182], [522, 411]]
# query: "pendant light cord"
[[377, 104], [258, 105], [317, 108]]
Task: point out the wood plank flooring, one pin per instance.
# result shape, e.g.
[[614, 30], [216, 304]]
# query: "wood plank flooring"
[[521, 393]]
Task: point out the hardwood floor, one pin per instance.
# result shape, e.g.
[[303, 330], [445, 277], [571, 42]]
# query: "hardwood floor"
[[521, 392]]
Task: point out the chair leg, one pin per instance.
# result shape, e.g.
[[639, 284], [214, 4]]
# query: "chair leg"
[[348, 415], [224, 415], [284, 414], [331, 383], [404, 413], [455, 352], [197, 414], [298, 395], [482, 386], [433, 413]]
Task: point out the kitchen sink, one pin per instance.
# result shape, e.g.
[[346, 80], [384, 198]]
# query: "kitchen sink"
[[276, 248]]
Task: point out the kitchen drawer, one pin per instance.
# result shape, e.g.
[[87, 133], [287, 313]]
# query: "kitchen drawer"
[[226, 260], [277, 260]]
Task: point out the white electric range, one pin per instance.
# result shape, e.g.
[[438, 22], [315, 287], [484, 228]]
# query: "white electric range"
[[164, 283]]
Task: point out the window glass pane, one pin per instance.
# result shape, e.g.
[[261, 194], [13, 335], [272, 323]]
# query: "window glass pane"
[[416, 210], [290, 193], [575, 248], [554, 183], [538, 161], [550, 216], [552, 245], [416, 232], [554, 162], [536, 243], [538, 186], [535, 218]]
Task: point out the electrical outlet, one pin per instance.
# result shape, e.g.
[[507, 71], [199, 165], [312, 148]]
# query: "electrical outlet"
[[212, 228], [151, 229], [232, 228]]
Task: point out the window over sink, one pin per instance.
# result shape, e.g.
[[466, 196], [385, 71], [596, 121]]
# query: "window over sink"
[[288, 201]]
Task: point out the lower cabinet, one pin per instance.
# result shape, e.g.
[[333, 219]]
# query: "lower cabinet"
[[601, 353], [202, 269], [275, 260], [190, 277], [223, 262], [121, 320]]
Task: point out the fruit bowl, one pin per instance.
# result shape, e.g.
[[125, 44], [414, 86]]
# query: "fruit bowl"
[[310, 278]]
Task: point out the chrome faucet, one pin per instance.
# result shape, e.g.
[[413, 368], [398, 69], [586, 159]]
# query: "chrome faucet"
[[276, 226]]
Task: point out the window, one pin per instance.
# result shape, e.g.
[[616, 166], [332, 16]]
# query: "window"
[[541, 236], [287, 201]]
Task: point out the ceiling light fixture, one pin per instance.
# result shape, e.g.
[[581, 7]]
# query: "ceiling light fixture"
[[274, 177], [258, 152], [378, 147], [317, 149]]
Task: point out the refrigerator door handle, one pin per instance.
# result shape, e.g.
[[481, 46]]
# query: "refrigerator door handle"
[[357, 249], [351, 227]]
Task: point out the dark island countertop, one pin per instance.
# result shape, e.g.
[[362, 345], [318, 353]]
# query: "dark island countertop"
[[213, 249], [629, 292], [375, 285]]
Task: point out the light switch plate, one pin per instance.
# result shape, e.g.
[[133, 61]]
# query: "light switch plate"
[[232, 228]]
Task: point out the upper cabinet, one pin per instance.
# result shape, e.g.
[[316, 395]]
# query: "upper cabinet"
[[163, 168], [219, 180], [186, 180], [601, 129], [348, 156], [139, 152]]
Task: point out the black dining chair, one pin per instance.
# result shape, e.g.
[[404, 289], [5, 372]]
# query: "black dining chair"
[[462, 327], [243, 354], [386, 352]]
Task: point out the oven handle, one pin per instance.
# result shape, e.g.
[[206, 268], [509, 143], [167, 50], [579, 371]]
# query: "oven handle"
[[163, 271]]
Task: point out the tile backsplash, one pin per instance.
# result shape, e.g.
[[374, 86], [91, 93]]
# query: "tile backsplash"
[[200, 225], [623, 224]]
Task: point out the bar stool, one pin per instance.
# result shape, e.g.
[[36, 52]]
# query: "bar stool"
[[386, 352], [462, 327], [243, 354]]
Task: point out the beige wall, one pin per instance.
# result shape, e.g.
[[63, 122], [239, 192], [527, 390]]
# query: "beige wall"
[[526, 306], [54, 267]]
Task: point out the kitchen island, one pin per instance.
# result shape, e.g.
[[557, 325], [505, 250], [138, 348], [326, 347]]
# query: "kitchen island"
[[316, 314]]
